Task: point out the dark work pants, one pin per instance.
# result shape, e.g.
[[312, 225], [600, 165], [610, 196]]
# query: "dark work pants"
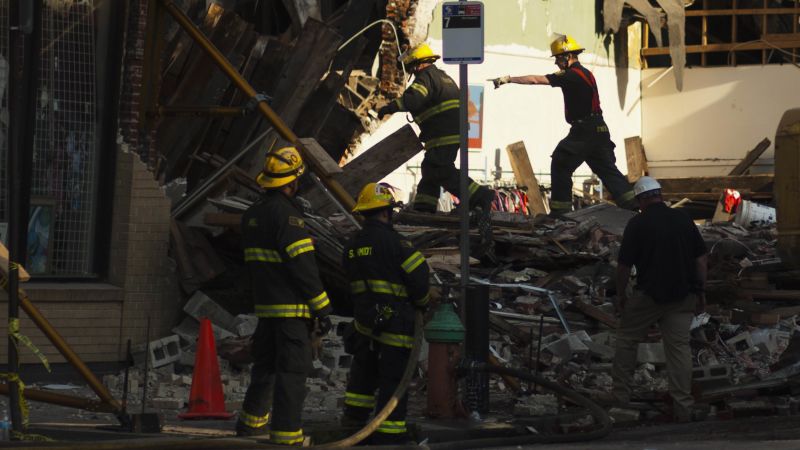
[[588, 142], [282, 353], [378, 367], [438, 169]]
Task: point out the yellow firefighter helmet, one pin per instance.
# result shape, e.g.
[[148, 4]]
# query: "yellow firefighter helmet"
[[564, 44], [422, 53], [281, 167], [374, 196]]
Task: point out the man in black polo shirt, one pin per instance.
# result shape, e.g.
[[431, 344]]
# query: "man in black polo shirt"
[[588, 140], [670, 259]]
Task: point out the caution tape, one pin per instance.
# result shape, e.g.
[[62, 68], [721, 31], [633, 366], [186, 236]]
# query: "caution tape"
[[13, 331], [23, 403]]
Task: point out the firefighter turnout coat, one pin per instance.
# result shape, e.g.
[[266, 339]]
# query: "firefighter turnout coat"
[[279, 254], [388, 278]]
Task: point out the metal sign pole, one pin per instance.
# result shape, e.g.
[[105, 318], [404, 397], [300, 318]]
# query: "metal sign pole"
[[464, 184]]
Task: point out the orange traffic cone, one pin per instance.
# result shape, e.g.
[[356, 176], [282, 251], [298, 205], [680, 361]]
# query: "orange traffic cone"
[[206, 400]]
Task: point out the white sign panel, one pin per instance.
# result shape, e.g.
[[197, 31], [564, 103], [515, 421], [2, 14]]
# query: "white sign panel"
[[462, 32]]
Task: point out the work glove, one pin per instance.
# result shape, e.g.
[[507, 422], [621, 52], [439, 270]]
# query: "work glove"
[[384, 111], [500, 81], [324, 325]]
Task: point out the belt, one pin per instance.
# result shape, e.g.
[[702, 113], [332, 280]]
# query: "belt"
[[586, 118]]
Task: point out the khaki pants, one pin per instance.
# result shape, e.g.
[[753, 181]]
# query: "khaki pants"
[[673, 319]]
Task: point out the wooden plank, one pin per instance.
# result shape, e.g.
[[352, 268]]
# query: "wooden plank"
[[741, 12], [755, 183], [757, 45], [523, 172], [308, 61], [326, 163], [370, 166], [750, 158], [776, 296], [637, 160]]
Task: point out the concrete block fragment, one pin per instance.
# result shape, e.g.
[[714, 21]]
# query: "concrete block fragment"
[[200, 305], [162, 352], [536, 405], [566, 346], [246, 324], [621, 415], [189, 330], [651, 352]]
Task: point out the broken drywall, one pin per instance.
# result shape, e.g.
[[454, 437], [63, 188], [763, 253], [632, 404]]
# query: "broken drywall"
[[676, 26]]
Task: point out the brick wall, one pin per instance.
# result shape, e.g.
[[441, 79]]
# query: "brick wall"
[[96, 319]]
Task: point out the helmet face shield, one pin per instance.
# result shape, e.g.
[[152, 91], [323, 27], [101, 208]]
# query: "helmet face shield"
[[375, 196]]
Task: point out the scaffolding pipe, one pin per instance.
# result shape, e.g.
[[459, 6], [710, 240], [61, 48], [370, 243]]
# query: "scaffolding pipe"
[[279, 125], [69, 401], [67, 352]]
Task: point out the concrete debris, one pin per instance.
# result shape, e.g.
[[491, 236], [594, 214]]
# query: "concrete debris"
[[200, 305], [536, 405], [620, 415]]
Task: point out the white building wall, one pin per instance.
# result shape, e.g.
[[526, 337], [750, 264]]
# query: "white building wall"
[[721, 114]]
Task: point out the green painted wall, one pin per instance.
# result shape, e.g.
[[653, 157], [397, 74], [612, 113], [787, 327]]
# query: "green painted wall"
[[504, 23]]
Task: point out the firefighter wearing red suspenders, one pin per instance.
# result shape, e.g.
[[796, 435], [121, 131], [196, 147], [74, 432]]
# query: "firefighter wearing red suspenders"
[[588, 140], [288, 294], [388, 280]]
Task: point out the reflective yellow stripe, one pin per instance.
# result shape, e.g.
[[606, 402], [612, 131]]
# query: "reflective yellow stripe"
[[473, 188], [555, 204], [253, 421], [440, 108], [299, 247], [419, 88], [392, 427], [286, 437], [413, 261], [359, 400], [320, 301], [426, 199], [378, 287], [261, 255], [442, 141], [273, 311], [395, 340]]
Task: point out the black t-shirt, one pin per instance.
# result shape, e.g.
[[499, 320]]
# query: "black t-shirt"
[[579, 87], [663, 244]]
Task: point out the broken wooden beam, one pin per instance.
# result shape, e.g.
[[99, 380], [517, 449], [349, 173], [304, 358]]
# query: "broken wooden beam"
[[597, 314], [755, 183], [523, 172], [637, 160], [750, 158]]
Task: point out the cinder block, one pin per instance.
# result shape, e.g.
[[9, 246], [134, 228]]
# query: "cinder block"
[[189, 329], [200, 305], [651, 352], [599, 350], [162, 352], [711, 376], [568, 345], [620, 415]]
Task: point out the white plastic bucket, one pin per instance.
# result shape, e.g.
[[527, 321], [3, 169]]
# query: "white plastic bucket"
[[751, 213]]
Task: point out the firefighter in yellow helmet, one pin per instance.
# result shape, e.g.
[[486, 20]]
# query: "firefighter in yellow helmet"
[[588, 140], [388, 280], [433, 101], [288, 294]]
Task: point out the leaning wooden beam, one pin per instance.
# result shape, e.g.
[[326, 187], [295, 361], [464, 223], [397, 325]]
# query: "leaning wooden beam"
[[370, 166], [637, 160], [755, 183], [751, 157], [523, 172]]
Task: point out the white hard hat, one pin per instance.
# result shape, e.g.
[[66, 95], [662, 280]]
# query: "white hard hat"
[[645, 184]]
